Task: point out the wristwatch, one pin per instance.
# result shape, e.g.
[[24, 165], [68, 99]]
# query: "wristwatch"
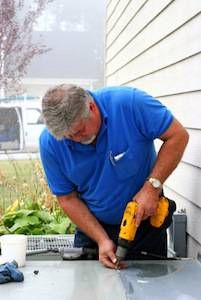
[[155, 182]]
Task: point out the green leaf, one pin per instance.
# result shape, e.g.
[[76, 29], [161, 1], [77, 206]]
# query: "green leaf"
[[25, 221], [71, 228], [23, 230], [37, 231], [44, 216], [9, 218], [59, 228]]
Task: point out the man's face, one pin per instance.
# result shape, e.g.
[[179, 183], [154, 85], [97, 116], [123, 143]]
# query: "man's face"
[[85, 130]]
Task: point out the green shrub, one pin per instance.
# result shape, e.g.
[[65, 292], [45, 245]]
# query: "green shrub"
[[27, 206]]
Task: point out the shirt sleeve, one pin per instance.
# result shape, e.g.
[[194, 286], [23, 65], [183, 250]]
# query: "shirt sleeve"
[[151, 116], [57, 180]]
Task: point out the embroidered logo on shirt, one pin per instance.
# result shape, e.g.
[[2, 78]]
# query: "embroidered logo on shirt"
[[115, 158]]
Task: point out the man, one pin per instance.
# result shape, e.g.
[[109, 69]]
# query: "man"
[[98, 154]]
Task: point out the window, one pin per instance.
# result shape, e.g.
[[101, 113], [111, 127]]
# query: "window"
[[34, 116]]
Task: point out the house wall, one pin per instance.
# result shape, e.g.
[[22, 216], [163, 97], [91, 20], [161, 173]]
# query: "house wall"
[[155, 45], [38, 86]]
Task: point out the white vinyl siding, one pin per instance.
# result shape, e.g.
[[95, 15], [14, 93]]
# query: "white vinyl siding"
[[155, 45]]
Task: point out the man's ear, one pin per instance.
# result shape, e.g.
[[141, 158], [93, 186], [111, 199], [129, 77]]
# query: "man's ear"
[[92, 106]]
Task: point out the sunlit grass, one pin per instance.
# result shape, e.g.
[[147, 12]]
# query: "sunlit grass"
[[22, 180]]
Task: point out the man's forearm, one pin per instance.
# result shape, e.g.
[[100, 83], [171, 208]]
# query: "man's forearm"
[[175, 140], [169, 156], [82, 217]]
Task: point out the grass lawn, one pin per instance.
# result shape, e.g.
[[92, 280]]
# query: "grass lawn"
[[9, 168], [19, 179]]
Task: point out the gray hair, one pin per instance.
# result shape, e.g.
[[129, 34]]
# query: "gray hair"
[[62, 105]]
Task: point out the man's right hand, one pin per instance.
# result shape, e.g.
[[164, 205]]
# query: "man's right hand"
[[107, 255], [78, 212]]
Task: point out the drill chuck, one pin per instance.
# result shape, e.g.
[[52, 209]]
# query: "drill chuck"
[[121, 253], [122, 248]]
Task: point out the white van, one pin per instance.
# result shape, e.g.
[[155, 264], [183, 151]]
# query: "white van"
[[20, 126]]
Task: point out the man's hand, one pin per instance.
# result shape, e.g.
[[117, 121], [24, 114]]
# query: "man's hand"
[[80, 215], [147, 199], [107, 255]]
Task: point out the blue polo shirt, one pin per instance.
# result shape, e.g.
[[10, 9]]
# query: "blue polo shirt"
[[109, 174]]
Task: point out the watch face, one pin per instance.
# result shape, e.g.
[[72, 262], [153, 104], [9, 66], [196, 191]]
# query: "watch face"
[[155, 182]]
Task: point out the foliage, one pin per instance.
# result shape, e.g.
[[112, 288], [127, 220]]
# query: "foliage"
[[34, 218], [16, 46], [33, 209]]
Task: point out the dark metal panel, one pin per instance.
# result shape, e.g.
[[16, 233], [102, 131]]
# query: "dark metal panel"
[[157, 280]]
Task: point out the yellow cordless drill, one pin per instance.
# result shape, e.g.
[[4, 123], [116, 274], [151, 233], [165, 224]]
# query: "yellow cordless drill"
[[128, 225]]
